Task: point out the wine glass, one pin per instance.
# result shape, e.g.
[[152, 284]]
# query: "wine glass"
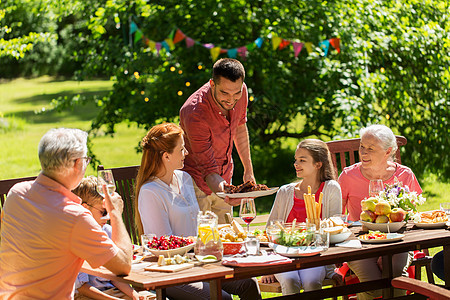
[[375, 186], [247, 211], [105, 177]]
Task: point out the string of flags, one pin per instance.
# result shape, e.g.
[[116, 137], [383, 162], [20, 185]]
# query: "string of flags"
[[278, 43]]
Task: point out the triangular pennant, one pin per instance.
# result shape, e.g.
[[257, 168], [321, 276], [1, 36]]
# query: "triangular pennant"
[[170, 43], [284, 43], [165, 45], [179, 36], [138, 35], [251, 46], [158, 47], [209, 45], [309, 47], [276, 42], [151, 44], [259, 42], [325, 45], [133, 27], [222, 51], [297, 48], [146, 41], [232, 53], [215, 53], [171, 34], [242, 52], [335, 42], [189, 42]]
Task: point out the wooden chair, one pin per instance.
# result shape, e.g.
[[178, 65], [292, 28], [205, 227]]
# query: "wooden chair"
[[125, 183], [345, 153], [429, 291], [6, 185]]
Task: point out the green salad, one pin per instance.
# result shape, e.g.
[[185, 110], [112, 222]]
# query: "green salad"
[[296, 238]]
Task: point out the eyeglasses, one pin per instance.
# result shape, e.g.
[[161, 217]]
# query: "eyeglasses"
[[103, 211], [87, 158]]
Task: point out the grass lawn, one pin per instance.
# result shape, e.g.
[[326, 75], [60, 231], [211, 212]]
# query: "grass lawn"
[[20, 99]]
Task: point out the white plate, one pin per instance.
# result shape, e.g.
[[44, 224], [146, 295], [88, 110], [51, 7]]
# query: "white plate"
[[430, 225], [383, 227], [181, 251], [340, 237], [295, 251], [393, 237], [253, 194]]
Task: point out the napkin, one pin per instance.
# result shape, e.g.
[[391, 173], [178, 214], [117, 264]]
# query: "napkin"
[[350, 244], [250, 261]]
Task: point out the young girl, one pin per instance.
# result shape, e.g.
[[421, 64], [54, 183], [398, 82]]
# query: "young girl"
[[165, 204], [313, 165]]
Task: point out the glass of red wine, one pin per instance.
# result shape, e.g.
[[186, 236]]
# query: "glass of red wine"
[[247, 211]]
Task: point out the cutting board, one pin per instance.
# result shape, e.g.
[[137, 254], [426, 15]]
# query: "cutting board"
[[169, 268]]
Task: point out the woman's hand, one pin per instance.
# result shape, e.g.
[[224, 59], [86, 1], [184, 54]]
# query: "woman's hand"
[[338, 279], [269, 279]]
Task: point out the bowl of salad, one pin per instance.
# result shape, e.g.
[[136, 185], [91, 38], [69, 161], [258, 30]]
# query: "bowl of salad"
[[291, 236]]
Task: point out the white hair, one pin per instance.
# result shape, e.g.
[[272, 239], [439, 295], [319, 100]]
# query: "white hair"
[[60, 147], [384, 134]]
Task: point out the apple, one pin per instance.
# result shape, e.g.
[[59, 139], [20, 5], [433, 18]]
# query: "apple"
[[397, 215], [369, 204], [383, 208], [382, 219], [368, 216]]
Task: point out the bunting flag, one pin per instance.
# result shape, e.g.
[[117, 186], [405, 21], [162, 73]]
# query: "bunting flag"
[[170, 43], [335, 43], [232, 53], [138, 35], [325, 45], [133, 27], [179, 36], [276, 42], [242, 52], [215, 53], [297, 48], [309, 47], [189, 42], [259, 41]]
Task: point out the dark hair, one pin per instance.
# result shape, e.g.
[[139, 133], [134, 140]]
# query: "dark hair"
[[228, 68], [320, 153], [159, 139]]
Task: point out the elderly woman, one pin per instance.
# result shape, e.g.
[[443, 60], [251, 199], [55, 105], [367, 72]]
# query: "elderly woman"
[[166, 204], [376, 151]]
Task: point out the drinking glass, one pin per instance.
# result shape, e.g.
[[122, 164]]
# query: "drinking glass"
[[145, 240], [445, 207], [375, 186], [105, 177], [252, 244], [247, 211]]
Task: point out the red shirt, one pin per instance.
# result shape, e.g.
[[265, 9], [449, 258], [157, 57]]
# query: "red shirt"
[[209, 136], [298, 211]]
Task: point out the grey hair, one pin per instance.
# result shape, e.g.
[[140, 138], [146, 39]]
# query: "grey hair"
[[59, 147], [384, 134]]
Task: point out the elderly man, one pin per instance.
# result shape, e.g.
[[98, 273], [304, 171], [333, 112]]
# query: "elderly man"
[[46, 233], [213, 119]]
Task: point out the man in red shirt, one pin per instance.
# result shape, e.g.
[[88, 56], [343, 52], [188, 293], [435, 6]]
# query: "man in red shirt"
[[213, 118]]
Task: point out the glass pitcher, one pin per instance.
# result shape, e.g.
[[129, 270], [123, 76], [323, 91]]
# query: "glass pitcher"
[[208, 238]]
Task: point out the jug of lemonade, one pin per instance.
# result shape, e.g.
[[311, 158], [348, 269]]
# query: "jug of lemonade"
[[208, 243]]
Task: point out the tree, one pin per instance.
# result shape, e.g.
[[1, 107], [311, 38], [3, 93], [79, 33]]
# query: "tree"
[[390, 69]]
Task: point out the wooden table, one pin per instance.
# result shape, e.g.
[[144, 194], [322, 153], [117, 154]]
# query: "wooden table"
[[415, 239]]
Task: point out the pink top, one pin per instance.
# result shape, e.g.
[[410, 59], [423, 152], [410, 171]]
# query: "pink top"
[[355, 187], [45, 237], [298, 211], [209, 136]]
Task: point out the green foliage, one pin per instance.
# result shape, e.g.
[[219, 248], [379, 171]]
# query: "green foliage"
[[393, 68]]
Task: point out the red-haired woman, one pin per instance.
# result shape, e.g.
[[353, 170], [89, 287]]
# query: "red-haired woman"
[[165, 204]]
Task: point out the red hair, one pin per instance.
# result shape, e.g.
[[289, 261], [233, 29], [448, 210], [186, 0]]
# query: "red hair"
[[160, 138]]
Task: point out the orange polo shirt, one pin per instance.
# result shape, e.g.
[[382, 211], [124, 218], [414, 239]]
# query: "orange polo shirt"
[[45, 237]]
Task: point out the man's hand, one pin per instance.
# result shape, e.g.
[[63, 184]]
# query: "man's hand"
[[232, 201], [338, 279], [268, 279], [113, 202], [249, 176]]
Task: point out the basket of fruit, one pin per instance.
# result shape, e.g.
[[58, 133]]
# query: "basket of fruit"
[[169, 246]]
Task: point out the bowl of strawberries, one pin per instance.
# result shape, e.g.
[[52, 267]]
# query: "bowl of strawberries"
[[170, 245]]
